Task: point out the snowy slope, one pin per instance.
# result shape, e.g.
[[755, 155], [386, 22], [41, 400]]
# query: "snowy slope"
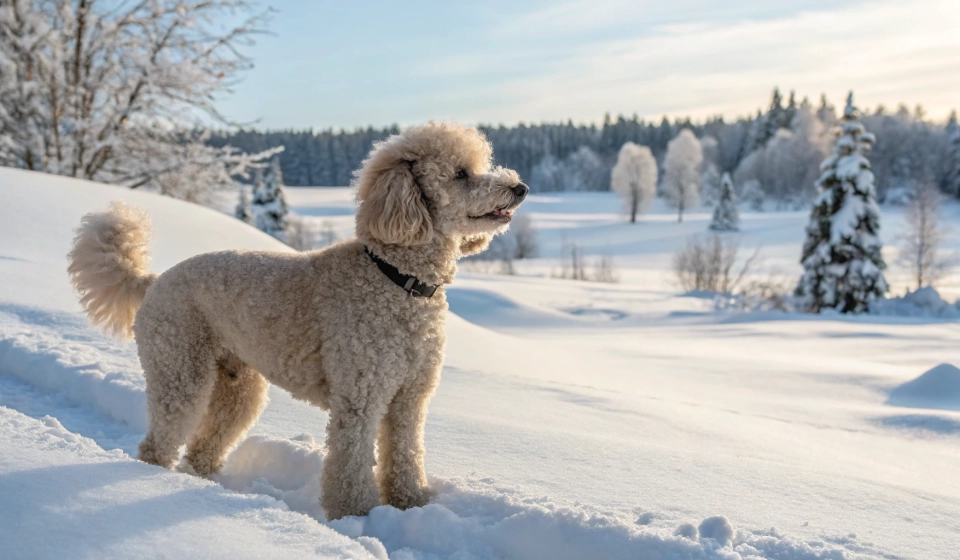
[[573, 420]]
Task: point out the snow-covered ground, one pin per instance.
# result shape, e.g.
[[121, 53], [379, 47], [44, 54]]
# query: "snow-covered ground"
[[574, 420]]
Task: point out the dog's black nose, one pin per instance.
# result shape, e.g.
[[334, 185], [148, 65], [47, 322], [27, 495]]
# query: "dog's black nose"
[[520, 191]]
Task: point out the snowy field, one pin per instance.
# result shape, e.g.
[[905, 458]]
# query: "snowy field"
[[574, 419]]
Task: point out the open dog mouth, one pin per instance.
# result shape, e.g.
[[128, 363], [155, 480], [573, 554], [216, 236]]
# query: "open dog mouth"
[[503, 214]]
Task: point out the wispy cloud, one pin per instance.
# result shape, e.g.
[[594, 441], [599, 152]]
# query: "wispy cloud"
[[508, 61], [887, 51]]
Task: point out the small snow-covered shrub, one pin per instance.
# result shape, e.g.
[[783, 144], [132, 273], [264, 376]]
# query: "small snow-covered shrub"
[[605, 271], [707, 264], [573, 266]]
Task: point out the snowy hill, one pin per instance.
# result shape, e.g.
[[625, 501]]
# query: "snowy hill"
[[574, 420]]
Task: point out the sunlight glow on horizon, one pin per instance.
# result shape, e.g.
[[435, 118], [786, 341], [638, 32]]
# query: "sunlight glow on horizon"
[[335, 66]]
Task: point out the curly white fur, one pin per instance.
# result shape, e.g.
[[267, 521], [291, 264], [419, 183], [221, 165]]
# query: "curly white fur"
[[326, 325], [108, 266]]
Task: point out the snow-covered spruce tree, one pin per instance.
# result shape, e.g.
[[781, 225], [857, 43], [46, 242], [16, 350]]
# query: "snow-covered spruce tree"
[[634, 178], [843, 266], [112, 91], [269, 203], [242, 211], [681, 179], [725, 215]]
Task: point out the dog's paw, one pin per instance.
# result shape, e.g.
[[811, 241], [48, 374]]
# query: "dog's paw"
[[412, 498]]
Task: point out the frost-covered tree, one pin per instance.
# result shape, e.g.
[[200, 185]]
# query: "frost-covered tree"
[[751, 193], [242, 211], [843, 266], [269, 203], [951, 174], [111, 91], [826, 113], [709, 174], [581, 170], [787, 165], [634, 178], [681, 179], [725, 215], [922, 236]]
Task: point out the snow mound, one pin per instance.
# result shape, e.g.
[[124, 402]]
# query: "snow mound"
[[490, 309], [286, 469], [937, 388], [60, 354], [717, 528], [64, 497], [472, 519], [925, 302]]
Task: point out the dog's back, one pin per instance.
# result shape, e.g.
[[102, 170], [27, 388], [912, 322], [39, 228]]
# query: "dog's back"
[[257, 306]]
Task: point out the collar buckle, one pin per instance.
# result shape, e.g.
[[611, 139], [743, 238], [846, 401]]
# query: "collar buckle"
[[410, 284]]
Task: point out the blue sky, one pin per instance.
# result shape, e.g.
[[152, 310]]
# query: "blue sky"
[[348, 64]]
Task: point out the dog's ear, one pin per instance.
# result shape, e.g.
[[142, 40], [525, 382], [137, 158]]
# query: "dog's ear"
[[475, 244], [392, 209]]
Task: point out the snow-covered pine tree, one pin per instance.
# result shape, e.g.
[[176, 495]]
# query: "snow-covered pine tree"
[[773, 120], [725, 215], [270, 204], [951, 177], [843, 266], [242, 211]]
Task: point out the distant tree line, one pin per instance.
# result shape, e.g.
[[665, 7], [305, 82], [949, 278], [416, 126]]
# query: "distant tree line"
[[776, 151]]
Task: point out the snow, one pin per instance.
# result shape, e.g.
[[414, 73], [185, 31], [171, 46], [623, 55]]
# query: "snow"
[[573, 420], [937, 388], [925, 302], [65, 497]]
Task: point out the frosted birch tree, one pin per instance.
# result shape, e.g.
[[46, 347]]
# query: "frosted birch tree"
[[922, 236], [681, 179], [113, 91], [843, 265], [634, 178]]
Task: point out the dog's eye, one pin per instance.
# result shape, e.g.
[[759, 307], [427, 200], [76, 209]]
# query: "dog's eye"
[[460, 174]]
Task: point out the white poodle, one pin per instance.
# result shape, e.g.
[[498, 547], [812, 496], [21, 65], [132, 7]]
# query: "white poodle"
[[356, 328]]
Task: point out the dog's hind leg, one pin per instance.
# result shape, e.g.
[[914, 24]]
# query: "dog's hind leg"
[[239, 396], [180, 380]]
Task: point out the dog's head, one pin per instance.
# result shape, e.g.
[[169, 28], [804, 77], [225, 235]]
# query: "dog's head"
[[434, 180]]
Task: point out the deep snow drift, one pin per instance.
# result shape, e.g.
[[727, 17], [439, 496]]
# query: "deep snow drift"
[[937, 388], [573, 420]]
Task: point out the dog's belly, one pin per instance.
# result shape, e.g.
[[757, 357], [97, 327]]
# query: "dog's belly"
[[298, 373]]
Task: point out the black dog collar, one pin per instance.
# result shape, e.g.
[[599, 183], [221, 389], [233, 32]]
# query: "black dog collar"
[[411, 284]]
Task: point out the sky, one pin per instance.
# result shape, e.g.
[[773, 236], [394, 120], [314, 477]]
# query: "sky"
[[336, 64]]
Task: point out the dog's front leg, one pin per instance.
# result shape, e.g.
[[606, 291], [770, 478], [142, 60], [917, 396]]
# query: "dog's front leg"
[[400, 468], [347, 482]]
